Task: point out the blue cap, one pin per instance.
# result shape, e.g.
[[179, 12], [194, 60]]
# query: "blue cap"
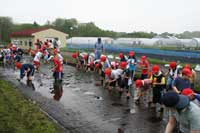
[[172, 99]]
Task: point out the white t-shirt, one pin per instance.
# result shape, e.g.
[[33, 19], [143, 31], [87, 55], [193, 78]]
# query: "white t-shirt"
[[91, 58], [37, 56], [60, 58], [116, 73]]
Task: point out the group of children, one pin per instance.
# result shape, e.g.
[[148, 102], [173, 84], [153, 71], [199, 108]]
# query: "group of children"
[[12, 56], [152, 84], [115, 74]]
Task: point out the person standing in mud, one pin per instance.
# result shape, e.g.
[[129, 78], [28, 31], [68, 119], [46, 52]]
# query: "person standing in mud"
[[57, 69], [144, 64], [26, 70], [158, 85], [58, 75], [172, 74], [98, 49]]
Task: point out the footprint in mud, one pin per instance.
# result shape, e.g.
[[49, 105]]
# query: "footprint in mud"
[[154, 119], [117, 104], [123, 124], [88, 82], [97, 84], [98, 98], [68, 76], [66, 83]]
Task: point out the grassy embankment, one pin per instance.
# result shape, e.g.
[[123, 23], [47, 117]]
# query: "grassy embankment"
[[17, 114]]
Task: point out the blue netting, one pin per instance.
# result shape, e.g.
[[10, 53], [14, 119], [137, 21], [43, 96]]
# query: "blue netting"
[[117, 48]]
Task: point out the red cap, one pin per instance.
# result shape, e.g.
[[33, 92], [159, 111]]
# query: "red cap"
[[107, 71], [121, 55], [172, 65], [187, 72], [103, 58], [123, 64], [74, 55], [131, 53], [91, 63], [138, 83], [187, 92], [187, 66], [18, 65], [143, 58], [85, 56], [55, 51], [113, 64], [155, 69], [97, 65]]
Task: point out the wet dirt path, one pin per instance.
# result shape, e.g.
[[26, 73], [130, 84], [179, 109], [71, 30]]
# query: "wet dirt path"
[[92, 108]]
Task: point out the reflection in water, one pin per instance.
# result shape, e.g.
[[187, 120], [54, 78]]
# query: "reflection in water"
[[30, 84], [57, 90]]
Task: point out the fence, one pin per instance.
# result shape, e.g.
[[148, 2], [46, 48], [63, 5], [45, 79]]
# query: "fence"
[[118, 48]]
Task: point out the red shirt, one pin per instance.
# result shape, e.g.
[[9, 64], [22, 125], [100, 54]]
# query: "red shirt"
[[145, 66], [58, 65]]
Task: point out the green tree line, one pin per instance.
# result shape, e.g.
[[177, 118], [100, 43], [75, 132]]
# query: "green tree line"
[[75, 28]]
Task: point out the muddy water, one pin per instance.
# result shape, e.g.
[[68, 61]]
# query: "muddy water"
[[107, 112]]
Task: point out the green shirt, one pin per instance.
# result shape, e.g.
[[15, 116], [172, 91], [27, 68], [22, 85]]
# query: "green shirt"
[[190, 117]]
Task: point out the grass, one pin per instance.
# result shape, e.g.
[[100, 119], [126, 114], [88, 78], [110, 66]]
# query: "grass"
[[19, 115]]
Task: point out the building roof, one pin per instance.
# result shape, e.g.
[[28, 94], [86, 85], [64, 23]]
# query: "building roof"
[[27, 32]]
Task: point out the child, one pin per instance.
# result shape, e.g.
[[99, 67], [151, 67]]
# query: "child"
[[158, 84], [143, 90]]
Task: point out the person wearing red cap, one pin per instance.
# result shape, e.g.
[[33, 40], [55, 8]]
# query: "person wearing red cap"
[[27, 70], [36, 60], [97, 64], [143, 90], [57, 69], [58, 55], [38, 45], [172, 74], [192, 95], [194, 75], [125, 80], [105, 63], [182, 82], [80, 60], [122, 57], [144, 65], [132, 62], [90, 65], [158, 84], [187, 112], [112, 77]]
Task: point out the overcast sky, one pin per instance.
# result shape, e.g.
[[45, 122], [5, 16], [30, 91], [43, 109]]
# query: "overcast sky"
[[119, 15]]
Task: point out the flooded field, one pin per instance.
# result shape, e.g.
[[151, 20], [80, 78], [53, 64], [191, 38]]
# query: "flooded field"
[[94, 105]]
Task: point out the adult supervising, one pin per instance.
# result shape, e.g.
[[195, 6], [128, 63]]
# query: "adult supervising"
[[98, 48]]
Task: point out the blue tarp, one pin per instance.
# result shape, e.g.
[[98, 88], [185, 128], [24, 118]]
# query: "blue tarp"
[[115, 48]]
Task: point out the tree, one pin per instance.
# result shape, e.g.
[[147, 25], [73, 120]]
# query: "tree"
[[5, 28], [35, 24]]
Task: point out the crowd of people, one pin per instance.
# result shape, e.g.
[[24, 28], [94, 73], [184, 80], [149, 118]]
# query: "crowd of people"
[[171, 89], [44, 52]]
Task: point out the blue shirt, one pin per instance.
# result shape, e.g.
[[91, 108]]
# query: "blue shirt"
[[181, 83], [98, 46], [24, 68]]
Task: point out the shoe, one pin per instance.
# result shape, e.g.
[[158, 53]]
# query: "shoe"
[[137, 101], [127, 97]]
